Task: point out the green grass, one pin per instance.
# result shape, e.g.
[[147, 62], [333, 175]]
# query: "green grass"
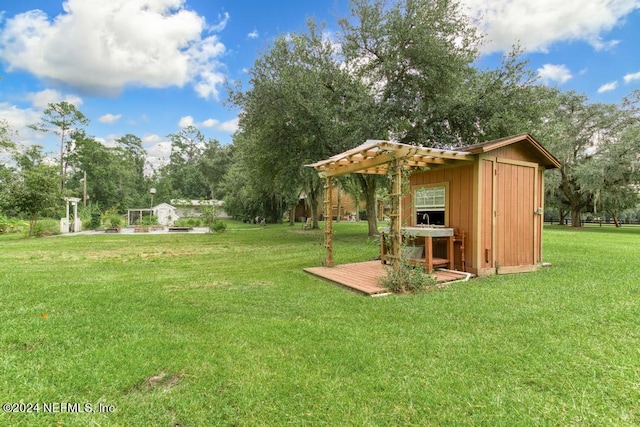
[[226, 329]]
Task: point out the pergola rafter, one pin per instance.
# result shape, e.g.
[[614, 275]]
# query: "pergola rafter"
[[374, 157]]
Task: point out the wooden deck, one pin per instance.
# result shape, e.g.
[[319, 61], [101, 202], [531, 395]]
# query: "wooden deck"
[[365, 276]]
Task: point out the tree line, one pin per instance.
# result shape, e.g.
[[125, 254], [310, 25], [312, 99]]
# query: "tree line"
[[407, 72], [108, 178], [404, 71]]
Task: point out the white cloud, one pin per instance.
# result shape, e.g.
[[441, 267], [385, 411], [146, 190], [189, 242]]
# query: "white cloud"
[[550, 73], [628, 78], [158, 150], [185, 121], [230, 126], [253, 34], [221, 25], [45, 97], [607, 87], [109, 140], [538, 24], [110, 118], [18, 118], [101, 47], [209, 123]]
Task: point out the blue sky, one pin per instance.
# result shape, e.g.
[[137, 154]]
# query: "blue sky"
[[150, 67]]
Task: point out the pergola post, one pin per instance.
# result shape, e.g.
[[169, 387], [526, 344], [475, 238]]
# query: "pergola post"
[[395, 217], [68, 210], [328, 220], [76, 220]]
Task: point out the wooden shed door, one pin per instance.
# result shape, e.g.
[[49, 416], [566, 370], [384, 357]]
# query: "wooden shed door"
[[515, 204]]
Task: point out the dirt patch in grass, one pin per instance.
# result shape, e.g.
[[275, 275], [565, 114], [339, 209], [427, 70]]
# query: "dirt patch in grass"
[[190, 286], [124, 253], [312, 231], [215, 284], [162, 381]]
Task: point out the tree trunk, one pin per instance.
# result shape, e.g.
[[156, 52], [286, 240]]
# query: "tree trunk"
[[372, 217], [571, 191], [313, 201], [314, 193], [614, 215], [292, 215], [369, 184], [61, 165], [32, 224], [562, 216], [575, 217]]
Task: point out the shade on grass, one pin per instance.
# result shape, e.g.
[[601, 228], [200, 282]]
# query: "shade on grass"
[[227, 330]]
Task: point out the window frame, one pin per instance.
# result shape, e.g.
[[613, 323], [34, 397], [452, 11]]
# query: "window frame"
[[416, 188]]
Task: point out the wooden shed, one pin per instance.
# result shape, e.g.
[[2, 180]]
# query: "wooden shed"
[[491, 196]]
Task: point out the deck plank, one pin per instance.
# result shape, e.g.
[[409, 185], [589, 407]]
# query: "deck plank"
[[365, 276]]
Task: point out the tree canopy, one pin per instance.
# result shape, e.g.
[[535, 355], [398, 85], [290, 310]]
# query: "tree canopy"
[[403, 70], [61, 119], [598, 146], [32, 190]]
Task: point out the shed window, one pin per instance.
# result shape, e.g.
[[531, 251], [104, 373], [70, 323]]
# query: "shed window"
[[430, 205]]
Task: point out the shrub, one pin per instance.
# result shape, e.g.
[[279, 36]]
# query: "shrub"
[[45, 227], [8, 225], [95, 221], [182, 222], [193, 222], [408, 278], [218, 226], [115, 221], [150, 220]]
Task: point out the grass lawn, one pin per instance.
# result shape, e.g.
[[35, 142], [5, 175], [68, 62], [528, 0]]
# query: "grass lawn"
[[227, 329]]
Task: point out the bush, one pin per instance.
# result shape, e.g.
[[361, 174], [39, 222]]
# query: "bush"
[[115, 221], [8, 225], [150, 220], [218, 226], [45, 227], [189, 222], [408, 278], [95, 221]]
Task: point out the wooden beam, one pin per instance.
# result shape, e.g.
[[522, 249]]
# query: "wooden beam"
[[328, 221], [395, 217], [372, 162]]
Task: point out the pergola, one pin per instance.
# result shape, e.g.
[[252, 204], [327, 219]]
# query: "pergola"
[[383, 158]]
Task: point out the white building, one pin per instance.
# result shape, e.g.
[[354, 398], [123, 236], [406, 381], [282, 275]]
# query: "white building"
[[185, 208]]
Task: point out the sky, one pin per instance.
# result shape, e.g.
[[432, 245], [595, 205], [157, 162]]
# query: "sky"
[[153, 67]]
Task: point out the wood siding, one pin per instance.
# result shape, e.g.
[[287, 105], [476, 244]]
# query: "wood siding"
[[486, 215], [502, 193], [459, 204], [540, 217], [515, 197], [514, 152]]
